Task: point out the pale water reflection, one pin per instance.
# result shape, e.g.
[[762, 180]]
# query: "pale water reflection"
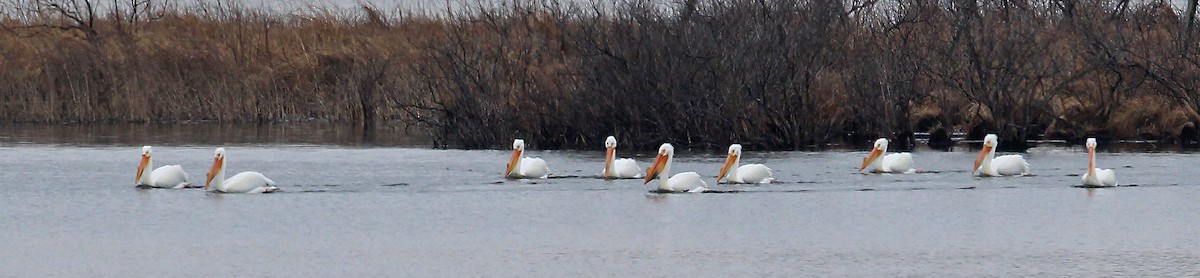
[[350, 210]]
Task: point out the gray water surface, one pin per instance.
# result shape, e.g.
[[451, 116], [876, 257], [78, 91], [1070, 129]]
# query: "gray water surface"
[[71, 210]]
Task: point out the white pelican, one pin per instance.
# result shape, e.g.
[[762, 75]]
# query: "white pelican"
[[170, 176], [244, 182], [682, 182], [749, 173], [1097, 176], [990, 166], [525, 167], [891, 163], [624, 168]]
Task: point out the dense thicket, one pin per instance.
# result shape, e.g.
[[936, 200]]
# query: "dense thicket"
[[780, 74]]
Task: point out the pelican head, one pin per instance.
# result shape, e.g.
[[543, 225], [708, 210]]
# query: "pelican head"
[[218, 167], [989, 147], [991, 140], [610, 153], [731, 160], [518, 149], [880, 147], [1091, 144], [144, 164], [661, 162]]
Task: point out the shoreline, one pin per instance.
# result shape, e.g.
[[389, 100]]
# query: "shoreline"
[[784, 76]]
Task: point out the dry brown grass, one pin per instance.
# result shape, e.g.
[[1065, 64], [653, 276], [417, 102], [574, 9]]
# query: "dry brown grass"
[[782, 74], [208, 64]]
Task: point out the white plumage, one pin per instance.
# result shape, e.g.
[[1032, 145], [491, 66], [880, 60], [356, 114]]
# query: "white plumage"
[[624, 168], [1096, 176], [890, 163], [682, 182], [244, 182], [169, 176], [988, 165], [524, 167], [749, 173]]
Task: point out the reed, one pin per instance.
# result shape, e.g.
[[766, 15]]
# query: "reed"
[[779, 74]]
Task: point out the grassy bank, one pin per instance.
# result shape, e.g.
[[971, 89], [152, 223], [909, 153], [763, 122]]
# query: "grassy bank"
[[769, 74]]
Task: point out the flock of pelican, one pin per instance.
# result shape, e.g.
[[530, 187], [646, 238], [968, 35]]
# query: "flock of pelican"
[[173, 176], [878, 161], [521, 167]]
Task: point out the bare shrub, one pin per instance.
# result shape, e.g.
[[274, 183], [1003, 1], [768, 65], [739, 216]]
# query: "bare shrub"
[[771, 74]]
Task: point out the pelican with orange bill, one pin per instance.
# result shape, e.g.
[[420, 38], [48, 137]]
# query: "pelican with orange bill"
[[525, 167], [1096, 177], [661, 170], [989, 165], [614, 168], [749, 173], [244, 182], [169, 176], [882, 162]]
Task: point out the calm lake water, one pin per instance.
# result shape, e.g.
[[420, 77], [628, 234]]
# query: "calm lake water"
[[68, 208]]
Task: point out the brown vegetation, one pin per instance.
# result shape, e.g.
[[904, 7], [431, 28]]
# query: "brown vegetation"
[[781, 74]]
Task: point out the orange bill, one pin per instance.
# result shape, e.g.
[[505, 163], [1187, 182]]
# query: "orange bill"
[[512, 162], [608, 159], [725, 167], [979, 160], [213, 171], [875, 153], [1091, 162], [141, 167], [656, 168]]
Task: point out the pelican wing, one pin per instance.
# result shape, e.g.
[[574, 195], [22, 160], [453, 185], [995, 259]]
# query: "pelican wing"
[[1108, 177], [1104, 177], [898, 163], [169, 176], [249, 182], [686, 182], [626, 168], [755, 173], [1010, 165], [534, 168]]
